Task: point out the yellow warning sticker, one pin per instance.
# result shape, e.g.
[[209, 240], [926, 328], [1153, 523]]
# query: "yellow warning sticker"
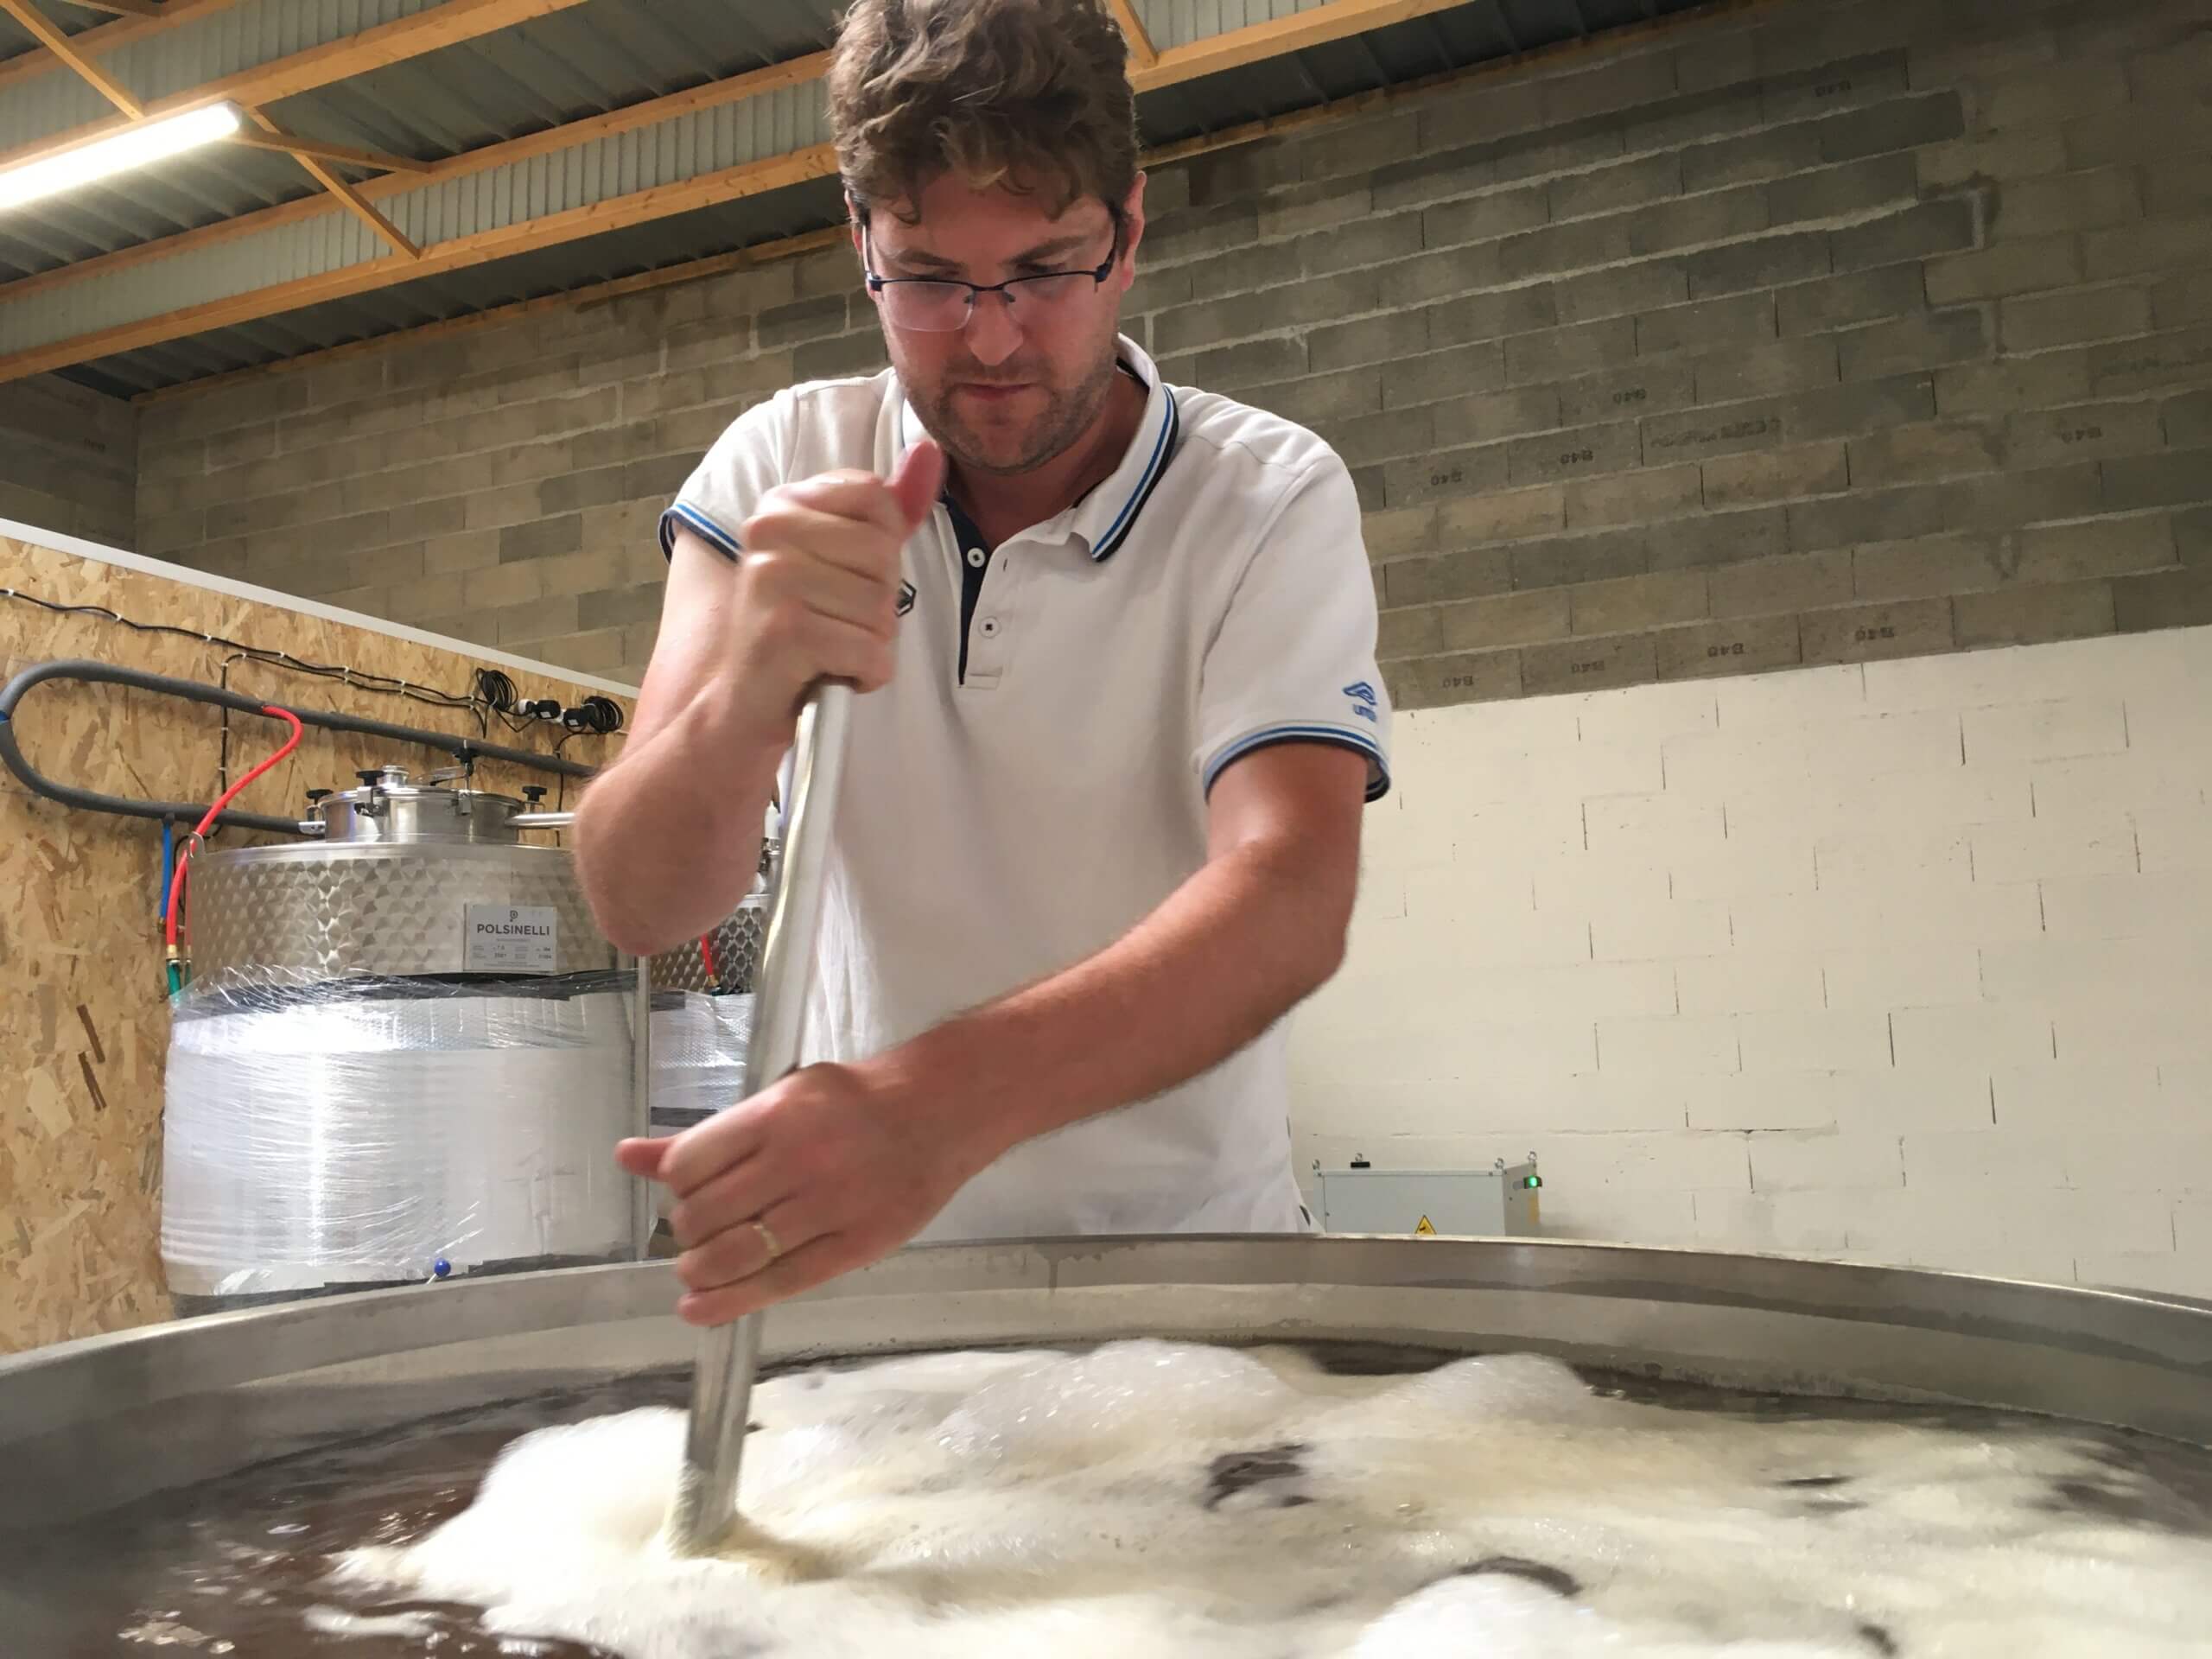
[[1427, 1229]]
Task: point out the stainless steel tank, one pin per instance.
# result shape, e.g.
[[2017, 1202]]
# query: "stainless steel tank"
[[373, 1133], [407, 1052], [89, 1425], [88, 1428], [390, 873], [399, 878]]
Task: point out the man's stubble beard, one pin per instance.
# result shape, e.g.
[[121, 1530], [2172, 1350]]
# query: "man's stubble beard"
[[1065, 418]]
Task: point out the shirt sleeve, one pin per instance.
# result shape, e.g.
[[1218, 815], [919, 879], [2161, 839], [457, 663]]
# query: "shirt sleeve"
[[745, 463], [1293, 658]]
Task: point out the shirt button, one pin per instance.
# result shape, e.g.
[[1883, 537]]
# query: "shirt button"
[[976, 557], [991, 627]]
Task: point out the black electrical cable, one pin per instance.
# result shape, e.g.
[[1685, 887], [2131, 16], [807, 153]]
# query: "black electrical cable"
[[223, 753], [594, 714], [466, 749], [496, 693], [493, 692], [383, 684], [494, 689]]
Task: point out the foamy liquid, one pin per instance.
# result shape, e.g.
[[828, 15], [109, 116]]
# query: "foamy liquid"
[[1153, 1498]]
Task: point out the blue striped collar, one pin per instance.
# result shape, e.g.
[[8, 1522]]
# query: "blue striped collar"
[[1104, 518]]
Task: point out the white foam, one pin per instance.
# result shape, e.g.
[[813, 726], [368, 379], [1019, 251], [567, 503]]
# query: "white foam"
[[172, 1633], [336, 1621], [1172, 1499]]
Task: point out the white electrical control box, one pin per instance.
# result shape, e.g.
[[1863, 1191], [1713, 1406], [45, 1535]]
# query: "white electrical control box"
[[1500, 1201]]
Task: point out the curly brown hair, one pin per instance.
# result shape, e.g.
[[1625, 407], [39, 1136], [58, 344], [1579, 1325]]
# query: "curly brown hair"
[[1031, 94]]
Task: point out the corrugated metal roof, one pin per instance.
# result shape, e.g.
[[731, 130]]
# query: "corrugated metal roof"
[[70, 19], [180, 194], [583, 60], [674, 241], [574, 63], [191, 53], [563, 67]]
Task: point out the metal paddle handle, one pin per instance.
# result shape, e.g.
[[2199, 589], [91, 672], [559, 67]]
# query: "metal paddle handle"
[[721, 1376]]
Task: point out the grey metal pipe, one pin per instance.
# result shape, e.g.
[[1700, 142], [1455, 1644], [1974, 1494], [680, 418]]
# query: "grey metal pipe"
[[721, 1376], [11, 753], [641, 1088]]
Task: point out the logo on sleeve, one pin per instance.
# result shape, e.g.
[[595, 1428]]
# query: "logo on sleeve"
[[1363, 700], [906, 597]]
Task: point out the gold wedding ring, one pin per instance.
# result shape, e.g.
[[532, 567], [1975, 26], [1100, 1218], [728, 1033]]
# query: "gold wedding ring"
[[768, 1241]]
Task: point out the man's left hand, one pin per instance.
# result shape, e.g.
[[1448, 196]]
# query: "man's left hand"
[[822, 1173]]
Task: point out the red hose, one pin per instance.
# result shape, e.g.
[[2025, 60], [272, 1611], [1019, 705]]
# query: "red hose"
[[184, 854]]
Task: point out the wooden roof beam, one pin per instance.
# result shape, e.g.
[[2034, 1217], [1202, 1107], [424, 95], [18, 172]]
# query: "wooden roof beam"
[[347, 194], [289, 143], [791, 73], [106, 37], [122, 8], [638, 208], [1278, 36], [1133, 30], [43, 30], [1250, 44]]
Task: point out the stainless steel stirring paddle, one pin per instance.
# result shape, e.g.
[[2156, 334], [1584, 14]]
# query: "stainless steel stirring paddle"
[[721, 1375]]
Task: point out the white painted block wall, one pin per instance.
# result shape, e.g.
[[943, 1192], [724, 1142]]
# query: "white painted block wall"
[[1905, 963]]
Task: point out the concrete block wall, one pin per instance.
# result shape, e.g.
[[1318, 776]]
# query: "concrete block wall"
[[499, 485], [1835, 334], [69, 461], [1830, 332], [1905, 962]]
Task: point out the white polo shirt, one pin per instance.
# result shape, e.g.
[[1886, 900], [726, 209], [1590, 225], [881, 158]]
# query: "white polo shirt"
[[1033, 782]]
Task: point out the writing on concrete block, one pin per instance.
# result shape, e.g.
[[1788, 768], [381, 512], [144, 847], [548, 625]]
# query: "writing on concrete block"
[[1729, 433]]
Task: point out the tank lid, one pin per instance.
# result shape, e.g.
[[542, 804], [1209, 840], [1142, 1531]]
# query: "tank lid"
[[395, 782], [391, 805]]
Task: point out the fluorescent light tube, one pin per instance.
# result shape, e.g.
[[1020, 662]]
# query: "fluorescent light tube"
[[135, 146]]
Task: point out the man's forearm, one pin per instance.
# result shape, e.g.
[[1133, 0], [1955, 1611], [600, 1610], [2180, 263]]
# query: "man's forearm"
[[1229, 952], [668, 839]]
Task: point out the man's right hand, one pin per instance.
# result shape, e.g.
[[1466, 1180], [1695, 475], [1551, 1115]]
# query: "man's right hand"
[[666, 842], [817, 587]]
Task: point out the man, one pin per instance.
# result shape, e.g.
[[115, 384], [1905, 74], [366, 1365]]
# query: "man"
[[1118, 710]]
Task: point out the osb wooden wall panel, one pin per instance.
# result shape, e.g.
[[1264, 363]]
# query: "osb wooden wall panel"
[[83, 1019]]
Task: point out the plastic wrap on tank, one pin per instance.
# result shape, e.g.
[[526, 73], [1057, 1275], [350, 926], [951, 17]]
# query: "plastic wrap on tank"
[[698, 1055], [337, 1134]]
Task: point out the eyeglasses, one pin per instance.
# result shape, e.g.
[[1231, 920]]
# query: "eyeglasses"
[[942, 304]]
